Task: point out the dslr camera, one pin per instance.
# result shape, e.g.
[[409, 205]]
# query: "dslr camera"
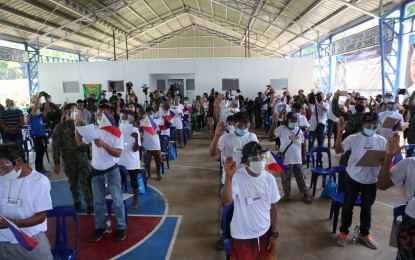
[[145, 89], [129, 87]]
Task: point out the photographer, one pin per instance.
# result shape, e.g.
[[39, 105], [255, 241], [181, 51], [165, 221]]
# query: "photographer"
[[318, 110]]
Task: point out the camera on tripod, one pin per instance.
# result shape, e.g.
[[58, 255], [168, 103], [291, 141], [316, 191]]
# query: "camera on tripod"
[[145, 89], [129, 86]]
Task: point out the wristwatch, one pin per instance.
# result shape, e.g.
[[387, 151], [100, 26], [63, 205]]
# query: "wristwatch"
[[275, 234]]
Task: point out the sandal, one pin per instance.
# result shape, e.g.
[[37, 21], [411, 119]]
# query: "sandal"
[[220, 244], [133, 208]]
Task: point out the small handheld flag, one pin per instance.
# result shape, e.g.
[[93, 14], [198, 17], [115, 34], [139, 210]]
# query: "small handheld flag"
[[274, 163], [396, 125], [24, 240], [165, 124], [148, 125], [170, 115], [107, 124]]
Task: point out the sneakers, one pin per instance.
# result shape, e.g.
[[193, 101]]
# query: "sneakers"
[[98, 234], [369, 241], [306, 199], [89, 210], [121, 234], [342, 239]]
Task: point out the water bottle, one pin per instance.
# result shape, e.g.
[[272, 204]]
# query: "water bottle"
[[108, 228], [355, 236]]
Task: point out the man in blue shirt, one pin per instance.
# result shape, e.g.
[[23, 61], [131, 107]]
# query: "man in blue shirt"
[[11, 120], [38, 131]]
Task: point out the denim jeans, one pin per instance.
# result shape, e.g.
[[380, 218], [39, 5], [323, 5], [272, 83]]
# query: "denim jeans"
[[318, 134], [99, 190], [38, 143]]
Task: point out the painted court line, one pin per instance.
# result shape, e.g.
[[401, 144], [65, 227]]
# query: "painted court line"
[[378, 202], [166, 209], [173, 239]]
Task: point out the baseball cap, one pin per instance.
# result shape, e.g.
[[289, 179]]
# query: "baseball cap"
[[369, 117], [252, 148], [79, 101], [129, 112]]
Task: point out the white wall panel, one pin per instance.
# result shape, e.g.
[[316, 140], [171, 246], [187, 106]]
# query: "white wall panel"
[[253, 74]]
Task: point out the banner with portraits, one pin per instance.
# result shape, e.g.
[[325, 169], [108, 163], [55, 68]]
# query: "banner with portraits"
[[92, 89]]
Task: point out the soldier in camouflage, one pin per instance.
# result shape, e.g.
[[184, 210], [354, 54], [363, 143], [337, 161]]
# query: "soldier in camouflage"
[[74, 159], [354, 121]]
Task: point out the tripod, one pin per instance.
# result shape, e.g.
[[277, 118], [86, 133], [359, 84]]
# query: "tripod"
[[145, 106]]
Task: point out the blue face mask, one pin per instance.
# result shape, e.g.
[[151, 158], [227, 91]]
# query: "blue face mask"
[[292, 125], [230, 128], [241, 132], [369, 132]]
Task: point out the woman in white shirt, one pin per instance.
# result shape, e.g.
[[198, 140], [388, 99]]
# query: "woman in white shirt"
[[177, 109], [292, 139]]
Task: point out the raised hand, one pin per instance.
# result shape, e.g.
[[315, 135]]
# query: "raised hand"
[[230, 166], [341, 125], [220, 129], [392, 145], [336, 94]]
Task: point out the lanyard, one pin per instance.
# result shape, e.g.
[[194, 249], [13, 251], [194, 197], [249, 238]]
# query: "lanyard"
[[18, 195]]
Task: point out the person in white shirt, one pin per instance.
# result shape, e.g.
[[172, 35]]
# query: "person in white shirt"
[[331, 124], [28, 194], [254, 193], [130, 157], [106, 151], [388, 98], [359, 179], [231, 144], [292, 141], [318, 110], [392, 113], [152, 145], [403, 172], [177, 109]]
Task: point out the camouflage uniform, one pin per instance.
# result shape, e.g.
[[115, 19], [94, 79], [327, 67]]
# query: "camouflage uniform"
[[411, 127], [353, 126], [75, 161]]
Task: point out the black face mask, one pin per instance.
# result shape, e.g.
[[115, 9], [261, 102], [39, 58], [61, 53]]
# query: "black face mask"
[[359, 108]]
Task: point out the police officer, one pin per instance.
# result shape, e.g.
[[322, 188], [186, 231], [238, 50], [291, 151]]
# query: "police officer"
[[74, 158]]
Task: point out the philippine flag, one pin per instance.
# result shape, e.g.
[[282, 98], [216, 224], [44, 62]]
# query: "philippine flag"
[[107, 124], [148, 125], [170, 115], [397, 159], [187, 108], [24, 240], [396, 125], [165, 124], [274, 163]]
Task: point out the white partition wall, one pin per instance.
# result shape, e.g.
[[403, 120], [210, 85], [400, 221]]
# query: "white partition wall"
[[253, 74]]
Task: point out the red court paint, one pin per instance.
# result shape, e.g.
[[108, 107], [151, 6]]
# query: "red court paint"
[[138, 228]]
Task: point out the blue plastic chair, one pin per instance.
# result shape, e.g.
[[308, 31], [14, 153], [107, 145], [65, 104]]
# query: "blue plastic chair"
[[308, 155], [124, 172], [337, 199], [226, 233], [165, 150], [398, 210], [319, 169], [410, 150], [62, 249]]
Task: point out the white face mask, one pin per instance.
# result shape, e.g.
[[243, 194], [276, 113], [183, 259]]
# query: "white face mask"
[[73, 115], [186, 102], [99, 121], [257, 167], [12, 175], [37, 112], [124, 122]]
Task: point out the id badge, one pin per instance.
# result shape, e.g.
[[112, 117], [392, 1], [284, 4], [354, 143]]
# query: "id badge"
[[254, 199], [16, 203]]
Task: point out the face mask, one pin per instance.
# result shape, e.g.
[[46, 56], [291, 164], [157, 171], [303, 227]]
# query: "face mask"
[[359, 108], [161, 95], [151, 116], [369, 132], [130, 101], [390, 112], [177, 92], [387, 100], [292, 125], [186, 102], [12, 175], [37, 112], [12, 107], [241, 132], [73, 115], [102, 97], [257, 167], [230, 128], [124, 122], [298, 114]]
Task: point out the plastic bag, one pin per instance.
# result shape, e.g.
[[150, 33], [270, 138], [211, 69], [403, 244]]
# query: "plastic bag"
[[329, 189]]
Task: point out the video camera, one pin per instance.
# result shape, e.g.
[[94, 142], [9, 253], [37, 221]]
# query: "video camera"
[[129, 87], [145, 89]]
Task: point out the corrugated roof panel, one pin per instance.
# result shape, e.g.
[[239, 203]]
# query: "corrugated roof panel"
[[203, 52], [185, 42], [167, 53], [206, 6], [185, 53], [205, 41], [223, 52]]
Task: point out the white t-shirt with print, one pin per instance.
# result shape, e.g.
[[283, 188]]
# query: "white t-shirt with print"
[[322, 116], [35, 197], [159, 116], [177, 119], [382, 117], [152, 142], [358, 144], [293, 153], [231, 144], [101, 159], [254, 220], [404, 171], [130, 159]]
